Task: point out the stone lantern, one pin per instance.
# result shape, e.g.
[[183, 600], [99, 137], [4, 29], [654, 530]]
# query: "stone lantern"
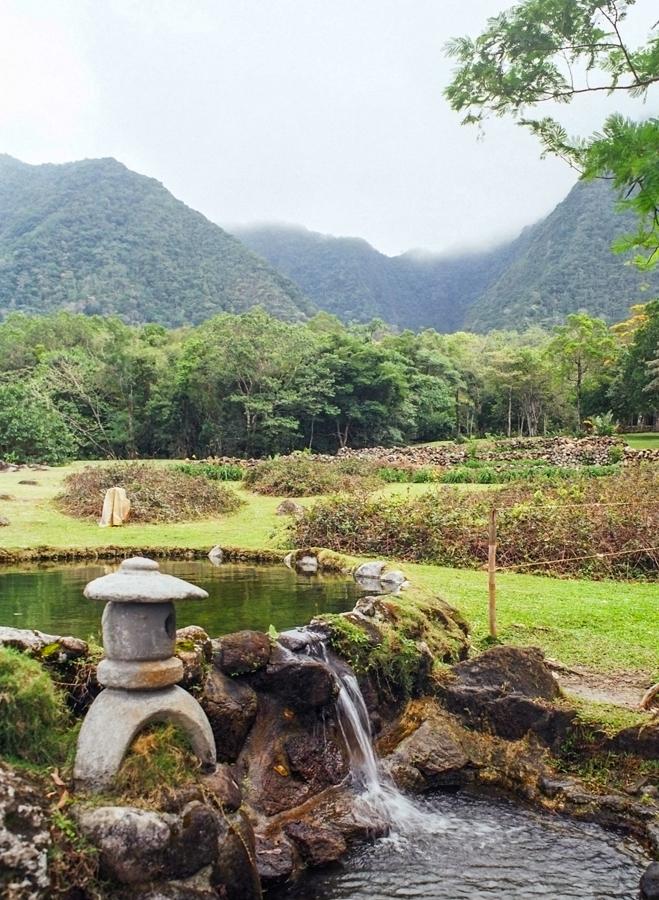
[[139, 671]]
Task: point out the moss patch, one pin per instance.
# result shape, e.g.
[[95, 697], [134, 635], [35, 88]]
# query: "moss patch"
[[34, 726]]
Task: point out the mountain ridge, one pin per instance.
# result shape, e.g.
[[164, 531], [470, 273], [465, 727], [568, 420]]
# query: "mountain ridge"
[[92, 236]]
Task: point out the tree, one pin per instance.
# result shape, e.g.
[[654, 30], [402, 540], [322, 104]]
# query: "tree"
[[631, 393], [551, 51], [31, 429], [580, 347]]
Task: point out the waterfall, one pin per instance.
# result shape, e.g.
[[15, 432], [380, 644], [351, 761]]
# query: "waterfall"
[[377, 795]]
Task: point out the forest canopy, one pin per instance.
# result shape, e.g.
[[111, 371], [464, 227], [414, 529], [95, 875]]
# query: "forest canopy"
[[252, 385]]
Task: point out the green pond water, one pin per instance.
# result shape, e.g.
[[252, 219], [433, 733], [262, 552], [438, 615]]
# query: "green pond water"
[[49, 597]]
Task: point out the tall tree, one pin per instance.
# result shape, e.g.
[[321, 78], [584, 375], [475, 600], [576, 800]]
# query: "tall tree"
[[579, 347], [551, 51]]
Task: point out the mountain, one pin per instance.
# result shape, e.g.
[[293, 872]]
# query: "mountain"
[[350, 278], [564, 264], [560, 265], [95, 237]]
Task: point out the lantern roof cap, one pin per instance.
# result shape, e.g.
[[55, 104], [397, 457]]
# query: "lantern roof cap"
[[139, 580]]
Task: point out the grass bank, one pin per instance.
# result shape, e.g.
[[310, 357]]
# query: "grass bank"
[[606, 626]]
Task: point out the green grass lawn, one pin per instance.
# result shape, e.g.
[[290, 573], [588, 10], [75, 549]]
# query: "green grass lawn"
[[602, 625], [648, 440]]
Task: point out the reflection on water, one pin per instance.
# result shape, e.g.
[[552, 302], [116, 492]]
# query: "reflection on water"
[[457, 846], [240, 596]]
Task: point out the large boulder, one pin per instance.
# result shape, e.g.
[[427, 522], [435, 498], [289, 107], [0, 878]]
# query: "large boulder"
[[231, 709], [48, 647], [140, 846], [430, 757], [519, 670], [509, 691], [24, 839], [316, 758], [318, 845], [650, 882], [300, 682], [242, 652], [234, 874]]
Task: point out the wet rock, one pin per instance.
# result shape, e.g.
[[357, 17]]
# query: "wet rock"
[[650, 882], [369, 570], [307, 564], [275, 858], [435, 754], [521, 670], [231, 709], [234, 874], [216, 555], [295, 640], [24, 839], [290, 508], [224, 787], [316, 759], [138, 846], [242, 652], [300, 682], [317, 844]]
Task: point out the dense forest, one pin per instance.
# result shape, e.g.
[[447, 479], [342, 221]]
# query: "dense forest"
[[94, 237], [91, 386]]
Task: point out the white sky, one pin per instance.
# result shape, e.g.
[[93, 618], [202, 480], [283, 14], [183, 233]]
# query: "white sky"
[[327, 114]]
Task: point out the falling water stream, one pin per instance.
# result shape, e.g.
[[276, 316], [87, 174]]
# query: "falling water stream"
[[455, 846]]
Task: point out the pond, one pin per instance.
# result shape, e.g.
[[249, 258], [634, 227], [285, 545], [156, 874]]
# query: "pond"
[[460, 846], [49, 597]]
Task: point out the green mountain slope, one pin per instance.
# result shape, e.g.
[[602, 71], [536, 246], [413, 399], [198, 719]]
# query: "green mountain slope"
[[564, 264], [560, 265], [350, 278], [94, 237]]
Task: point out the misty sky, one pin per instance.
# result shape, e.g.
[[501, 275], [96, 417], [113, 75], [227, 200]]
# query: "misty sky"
[[327, 114]]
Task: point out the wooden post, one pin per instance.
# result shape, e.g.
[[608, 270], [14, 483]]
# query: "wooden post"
[[491, 573]]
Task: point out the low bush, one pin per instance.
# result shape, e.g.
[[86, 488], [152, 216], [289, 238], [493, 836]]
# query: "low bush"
[[477, 472], [156, 493], [33, 718], [609, 524], [408, 474], [219, 472], [302, 475]]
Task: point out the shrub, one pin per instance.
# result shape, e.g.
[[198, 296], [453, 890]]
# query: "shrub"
[[302, 475], [611, 521], [33, 720], [212, 471], [408, 474], [156, 493]]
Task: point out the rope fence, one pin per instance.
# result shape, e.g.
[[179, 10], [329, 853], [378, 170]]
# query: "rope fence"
[[512, 568]]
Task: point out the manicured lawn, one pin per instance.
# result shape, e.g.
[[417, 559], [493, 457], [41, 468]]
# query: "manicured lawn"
[[601, 625], [648, 440]]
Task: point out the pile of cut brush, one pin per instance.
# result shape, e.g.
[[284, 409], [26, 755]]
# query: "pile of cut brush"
[[157, 493]]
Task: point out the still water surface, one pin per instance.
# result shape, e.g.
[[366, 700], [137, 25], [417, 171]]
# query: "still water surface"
[[466, 847], [240, 596]]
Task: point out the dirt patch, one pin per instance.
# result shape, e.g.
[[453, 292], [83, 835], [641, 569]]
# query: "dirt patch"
[[621, 688]]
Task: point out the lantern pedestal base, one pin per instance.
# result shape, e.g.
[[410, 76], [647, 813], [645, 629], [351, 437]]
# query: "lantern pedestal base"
[[115, 718]]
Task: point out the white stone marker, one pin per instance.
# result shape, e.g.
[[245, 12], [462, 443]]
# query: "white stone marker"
[[139, 671]]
